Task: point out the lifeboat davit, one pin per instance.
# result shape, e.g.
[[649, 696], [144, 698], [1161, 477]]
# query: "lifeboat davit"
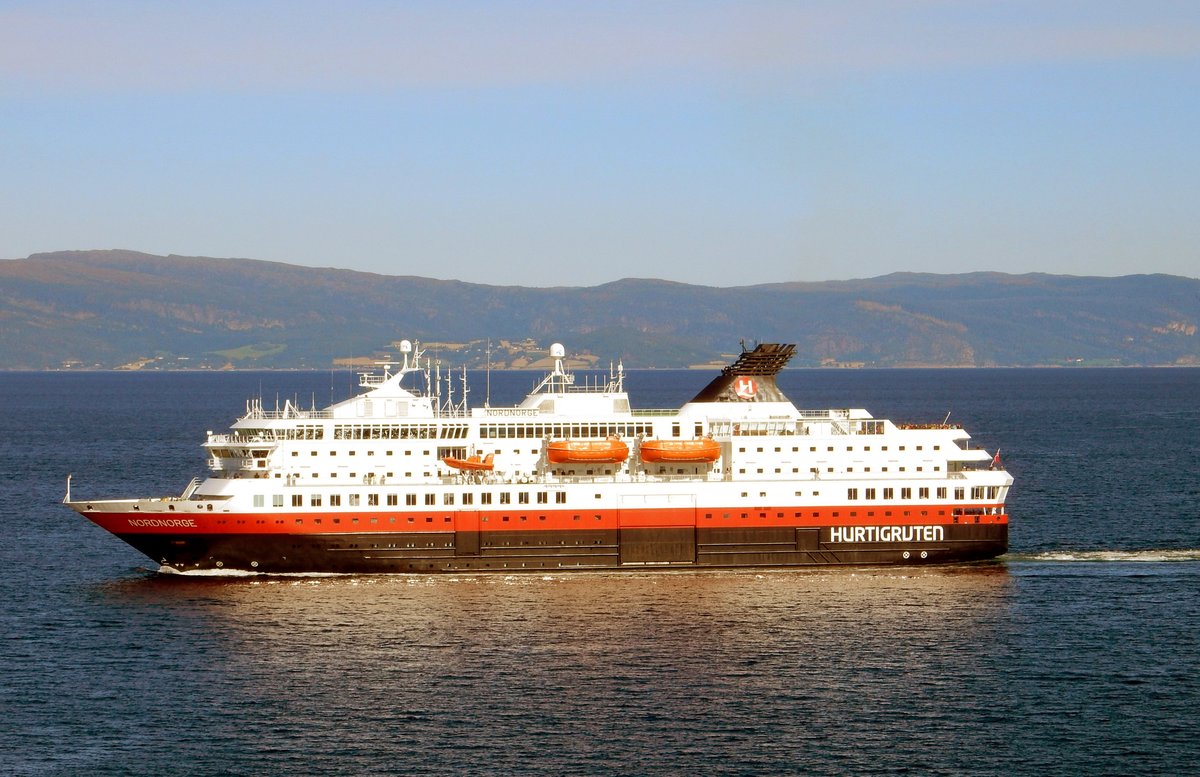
[[610, 451], [701, 450], [472, 463]]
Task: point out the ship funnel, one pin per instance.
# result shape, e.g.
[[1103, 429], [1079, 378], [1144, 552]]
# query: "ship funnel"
[[751, 378]]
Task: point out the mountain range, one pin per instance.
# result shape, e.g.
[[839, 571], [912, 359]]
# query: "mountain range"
[[124, 309]]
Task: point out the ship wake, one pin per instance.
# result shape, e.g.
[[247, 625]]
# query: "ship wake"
[[1164, 555]]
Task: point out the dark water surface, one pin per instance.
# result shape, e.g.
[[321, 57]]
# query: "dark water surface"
[[1078, 653]]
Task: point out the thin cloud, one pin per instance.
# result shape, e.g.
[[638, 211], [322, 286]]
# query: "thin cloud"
[[316, 46]]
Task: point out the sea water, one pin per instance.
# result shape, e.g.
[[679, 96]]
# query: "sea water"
[[1077, 653]]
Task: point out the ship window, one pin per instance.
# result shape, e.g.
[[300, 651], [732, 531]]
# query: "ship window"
[[260, 500], [352, 453], [430, 499], [901, 447], [741, 450], [429, 519], [889, 493], [920, 469], [923, 493], [393, 500], [485, 498], [941, 493], [830, 448], [295, 453], [959, 493], [333, 453], [448, 499], [852, 493], [937, 447], [560, 498], [410, 499], [277, 500], [920, 447], [314, 453], [543, 497], [505, 498], [468, 499], [597, 496], [315, 501], [906, 493], [373, 500], [870, 493], [812, 449], [335, 500], [354, 500], [297, 500], [523, 497]]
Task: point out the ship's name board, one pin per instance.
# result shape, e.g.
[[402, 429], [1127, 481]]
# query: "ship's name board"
[[886, 533], [162, 523], [512, 411]]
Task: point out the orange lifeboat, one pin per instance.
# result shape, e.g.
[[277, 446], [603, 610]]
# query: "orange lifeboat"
[[472, 463], [701, 450], [610, 451]]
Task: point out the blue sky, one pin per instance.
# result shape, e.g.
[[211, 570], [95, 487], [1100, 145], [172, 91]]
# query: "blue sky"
[[571, 144]]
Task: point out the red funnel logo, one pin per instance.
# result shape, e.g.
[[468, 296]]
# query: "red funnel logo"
[[745, 388]]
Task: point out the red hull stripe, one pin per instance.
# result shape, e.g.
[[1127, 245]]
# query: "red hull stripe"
[[532, 519]]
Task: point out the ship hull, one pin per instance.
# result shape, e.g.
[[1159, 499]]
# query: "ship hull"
[[642, 548]]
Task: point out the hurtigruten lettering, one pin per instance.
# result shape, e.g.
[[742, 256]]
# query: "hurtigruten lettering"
[[886, 534]]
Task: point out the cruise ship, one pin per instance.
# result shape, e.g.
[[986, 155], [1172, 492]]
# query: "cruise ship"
[[405, 478]]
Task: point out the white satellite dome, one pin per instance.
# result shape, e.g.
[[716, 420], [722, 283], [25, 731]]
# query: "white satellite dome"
[[557, 351], [405, 346]]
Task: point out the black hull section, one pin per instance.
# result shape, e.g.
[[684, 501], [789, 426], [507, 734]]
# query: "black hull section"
[[507, 552]]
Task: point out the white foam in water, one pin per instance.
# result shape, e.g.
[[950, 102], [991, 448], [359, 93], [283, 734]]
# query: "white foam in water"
[[166, 570], [1186, 554]]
